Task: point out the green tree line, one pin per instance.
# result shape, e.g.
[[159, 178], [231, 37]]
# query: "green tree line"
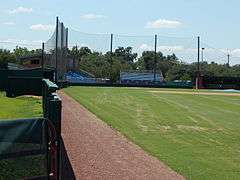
[[109, 65]]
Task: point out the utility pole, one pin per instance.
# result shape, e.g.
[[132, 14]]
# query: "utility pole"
[[155, 58]]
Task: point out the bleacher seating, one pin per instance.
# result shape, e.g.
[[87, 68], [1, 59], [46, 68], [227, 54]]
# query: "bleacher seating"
[[85, 78], [76, 77], [136, 77]]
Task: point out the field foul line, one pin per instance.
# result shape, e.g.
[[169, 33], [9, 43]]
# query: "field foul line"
[[197, 93]]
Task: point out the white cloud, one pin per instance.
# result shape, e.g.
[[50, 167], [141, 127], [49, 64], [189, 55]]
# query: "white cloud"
[[92, 16], [21, 10], [9, 23], [42, 27], [163, 23]]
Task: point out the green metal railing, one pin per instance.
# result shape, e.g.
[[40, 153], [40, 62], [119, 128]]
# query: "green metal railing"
[[52, 106], [33, 140]]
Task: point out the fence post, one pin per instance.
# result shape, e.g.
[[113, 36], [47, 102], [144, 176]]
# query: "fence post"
[[55, 108]]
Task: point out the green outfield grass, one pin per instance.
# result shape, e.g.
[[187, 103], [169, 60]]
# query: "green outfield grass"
[[20, 107], [17, 108], [196, 135]]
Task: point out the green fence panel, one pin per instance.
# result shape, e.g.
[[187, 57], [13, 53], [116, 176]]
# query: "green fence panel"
[[23, 149], [18, 86], [52, 107], [28, 74]]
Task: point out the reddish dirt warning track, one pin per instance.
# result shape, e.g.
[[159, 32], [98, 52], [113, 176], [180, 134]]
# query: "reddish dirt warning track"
[[96, 151]]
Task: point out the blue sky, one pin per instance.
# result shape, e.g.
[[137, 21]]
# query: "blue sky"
[[216, 21]]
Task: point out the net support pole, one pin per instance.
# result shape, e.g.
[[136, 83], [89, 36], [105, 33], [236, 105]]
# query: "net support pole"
[[155, 58], [198, 65], [228, 61], [42, 58], [111, 54], [75, 61], [56, 52], [66, 38], [111, 44], [62, 67], [111, 47]]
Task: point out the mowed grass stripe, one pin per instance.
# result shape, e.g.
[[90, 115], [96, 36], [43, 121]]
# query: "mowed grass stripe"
[[196, 135]]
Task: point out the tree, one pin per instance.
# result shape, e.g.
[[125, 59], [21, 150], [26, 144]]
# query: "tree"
[[5, 57], [146, 61], [23, 51], [164, 63], [126, 54]]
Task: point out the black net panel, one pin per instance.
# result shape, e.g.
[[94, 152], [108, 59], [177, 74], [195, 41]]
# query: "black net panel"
[[211, 54], [137, 43], [23, 149], [185, 48], [56, 51], [96, 42]]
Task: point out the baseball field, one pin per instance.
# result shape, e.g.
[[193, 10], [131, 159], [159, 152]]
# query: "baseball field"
[[196, 133]]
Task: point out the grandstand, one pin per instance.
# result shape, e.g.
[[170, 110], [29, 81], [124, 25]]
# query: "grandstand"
[[83, 77], [141, 77]]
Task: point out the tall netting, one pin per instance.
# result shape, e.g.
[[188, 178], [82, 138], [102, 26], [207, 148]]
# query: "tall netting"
[[72, 53], [185, 48], [56, 51], [211, 54], [96, 42], [49, 48], [137, 43]]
